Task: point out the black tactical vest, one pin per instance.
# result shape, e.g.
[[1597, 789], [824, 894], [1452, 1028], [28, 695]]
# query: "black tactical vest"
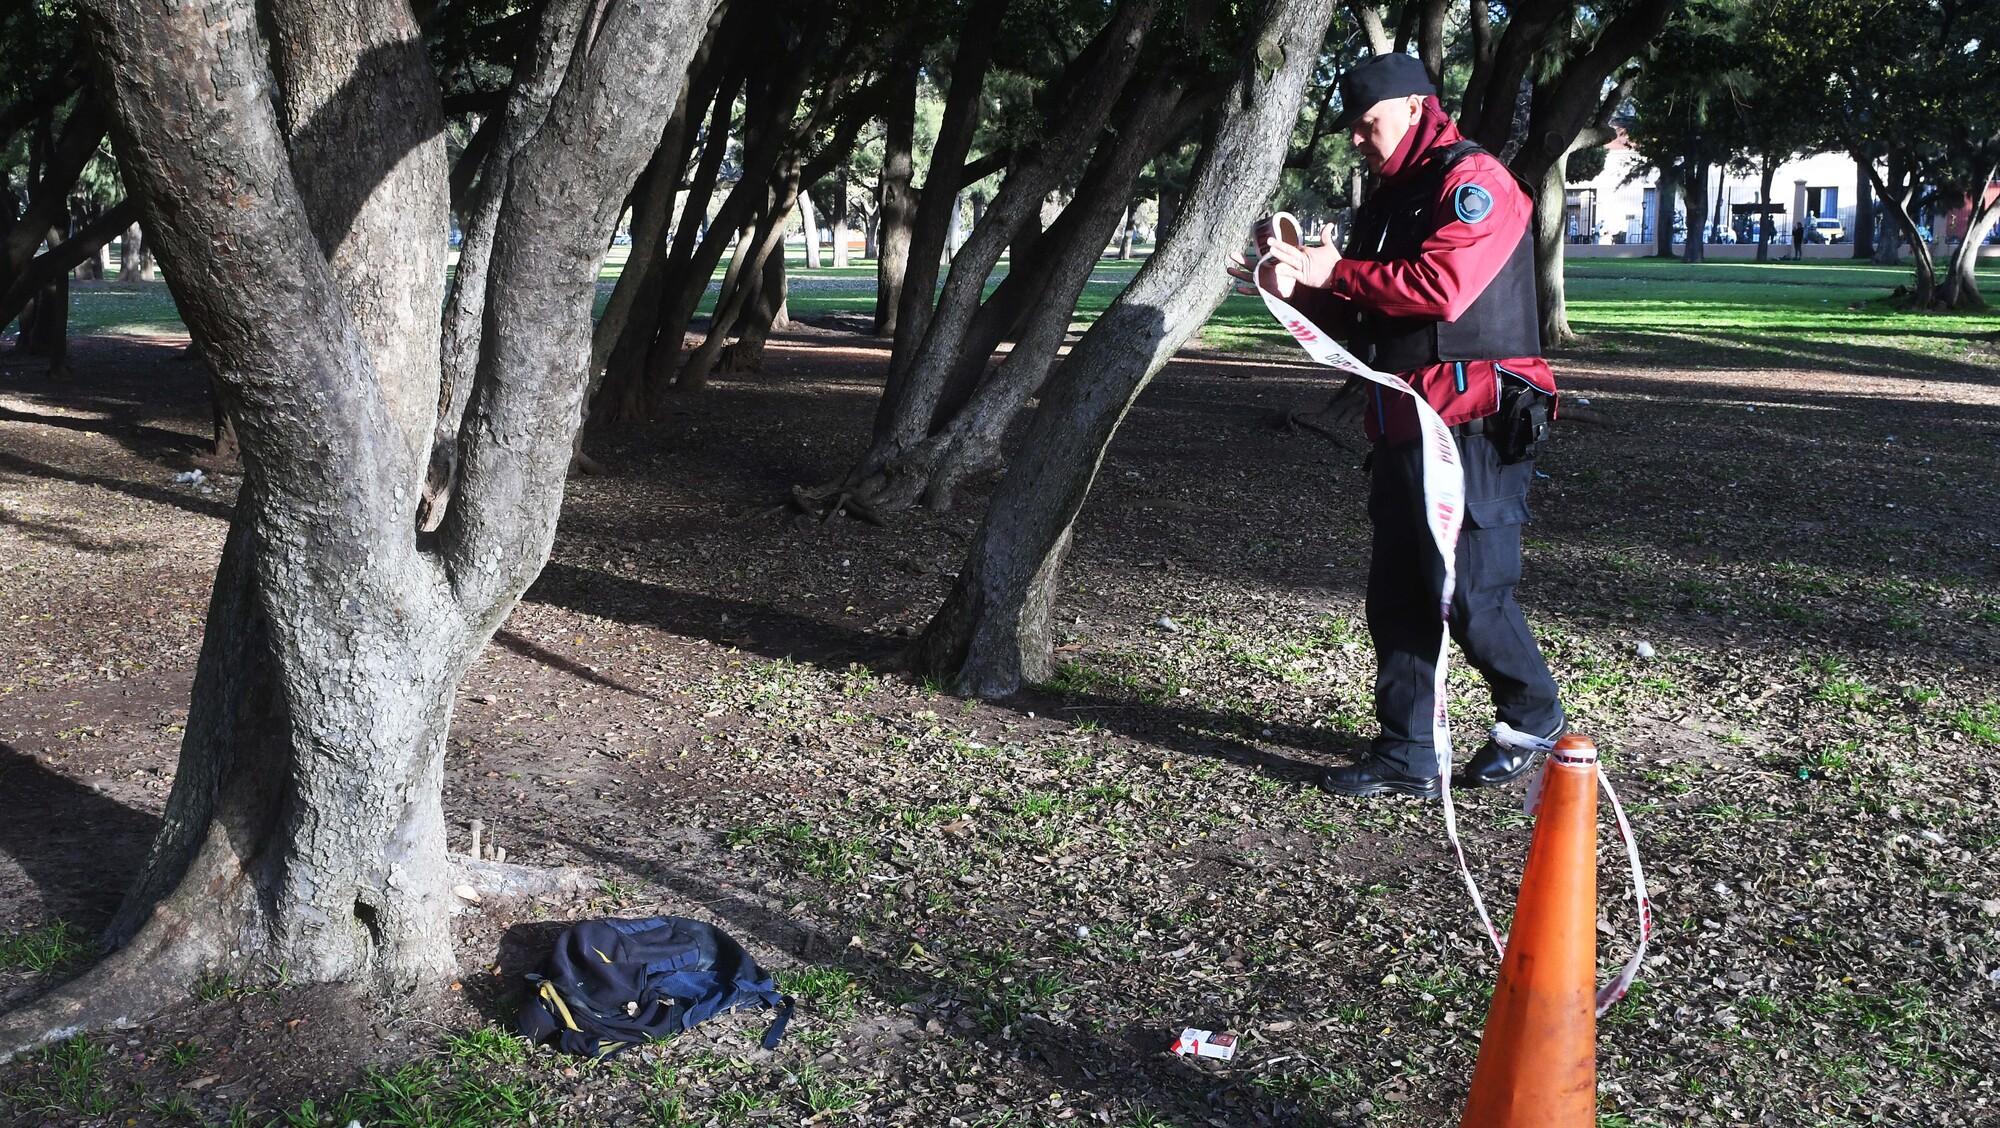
[[1502, 321]]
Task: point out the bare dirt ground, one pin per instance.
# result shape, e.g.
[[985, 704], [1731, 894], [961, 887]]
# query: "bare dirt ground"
[[1002, 913]]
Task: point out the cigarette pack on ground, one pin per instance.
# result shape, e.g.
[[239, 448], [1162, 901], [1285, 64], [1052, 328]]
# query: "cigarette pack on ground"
[[1204, 1043]]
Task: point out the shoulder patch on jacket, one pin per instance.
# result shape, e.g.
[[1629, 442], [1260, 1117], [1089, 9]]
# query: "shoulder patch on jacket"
[[1472, 203]]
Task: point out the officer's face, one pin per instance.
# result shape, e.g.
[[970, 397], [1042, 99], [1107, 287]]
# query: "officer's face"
[[1376, 133]]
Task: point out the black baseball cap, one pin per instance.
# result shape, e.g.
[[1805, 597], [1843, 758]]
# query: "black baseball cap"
[[1378, 79]]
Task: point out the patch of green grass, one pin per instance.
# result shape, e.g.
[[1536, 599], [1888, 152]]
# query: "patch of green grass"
[[830, 990], [423, 1095], [488, 1045], [1980, 722], [68, 1079], [832, 858], [43, 949], [825, 1095]]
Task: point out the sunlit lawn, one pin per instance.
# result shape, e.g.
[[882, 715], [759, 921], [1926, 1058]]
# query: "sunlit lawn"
[[1771, 307]]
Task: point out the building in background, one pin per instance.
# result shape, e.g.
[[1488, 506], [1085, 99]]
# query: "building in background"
[[1617, 206]]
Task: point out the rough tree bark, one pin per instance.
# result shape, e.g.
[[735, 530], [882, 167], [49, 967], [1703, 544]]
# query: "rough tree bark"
[[1959, 289], [897, 202], [936, 220], [1093, 86], [1898, 197], [297, 188], [965, 438], [1695, 190], [992, 635], [1864, 208], [837, 220]]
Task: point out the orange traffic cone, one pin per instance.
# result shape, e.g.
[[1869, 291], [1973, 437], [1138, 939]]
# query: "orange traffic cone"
[[1538, 1059]]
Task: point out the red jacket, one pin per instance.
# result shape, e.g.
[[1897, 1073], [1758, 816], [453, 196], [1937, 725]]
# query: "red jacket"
[[1457, 261]]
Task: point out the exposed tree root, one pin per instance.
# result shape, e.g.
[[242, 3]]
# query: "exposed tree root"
[[160, 966], [156, 970], [505, 884], [828, 502]]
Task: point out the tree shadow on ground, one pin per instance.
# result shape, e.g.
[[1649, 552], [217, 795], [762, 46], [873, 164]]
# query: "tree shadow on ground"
[[77, 846], [1725, 348], [159, 495], [159, 445], [779, 634]]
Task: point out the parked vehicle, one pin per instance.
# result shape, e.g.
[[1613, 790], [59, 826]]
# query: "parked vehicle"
[[1827, 231]]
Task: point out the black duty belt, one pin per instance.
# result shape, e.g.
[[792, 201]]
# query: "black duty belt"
[[1472, 426]]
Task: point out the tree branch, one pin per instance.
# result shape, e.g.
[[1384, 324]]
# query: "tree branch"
[[564, 193], [52, 264]]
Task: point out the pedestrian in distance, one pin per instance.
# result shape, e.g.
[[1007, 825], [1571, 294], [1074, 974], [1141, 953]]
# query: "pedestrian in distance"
[[1437, 285]]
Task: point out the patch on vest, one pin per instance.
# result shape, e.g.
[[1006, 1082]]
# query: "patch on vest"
[[1472, 203]]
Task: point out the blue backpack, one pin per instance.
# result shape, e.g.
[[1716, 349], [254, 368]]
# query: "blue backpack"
[[613, 984]]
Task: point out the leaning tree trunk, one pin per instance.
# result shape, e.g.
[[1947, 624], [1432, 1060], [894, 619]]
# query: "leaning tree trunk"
[[1892, 198], [992, 633], [967, 443], [746, 305], [1897, 205], [306, 828], [933, 236], [1960, 287], [904, 417], [897, 206], [673, 283]]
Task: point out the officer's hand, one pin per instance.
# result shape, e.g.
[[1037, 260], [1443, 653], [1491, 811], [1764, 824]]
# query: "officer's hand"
[[1243, 270], [1310, 266]]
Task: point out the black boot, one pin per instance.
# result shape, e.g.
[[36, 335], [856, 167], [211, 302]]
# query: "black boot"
[[1495, 763], [1375, 776]]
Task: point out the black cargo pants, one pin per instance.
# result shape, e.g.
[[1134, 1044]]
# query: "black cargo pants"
[[1404, 571]]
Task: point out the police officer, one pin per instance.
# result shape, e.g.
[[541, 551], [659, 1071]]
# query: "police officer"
[[1437, 284]]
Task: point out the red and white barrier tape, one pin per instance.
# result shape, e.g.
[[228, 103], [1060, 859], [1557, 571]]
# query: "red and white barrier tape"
[[1444, 512]]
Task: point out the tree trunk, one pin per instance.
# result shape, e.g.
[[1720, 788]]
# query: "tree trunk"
[[1891, 197], [1864, 209], [1960, 287], [1715, 217], [992, 633], [838, 221], [896, 210], [45, 327], [746, 277], [871, 241], [1663, 213], [907, 406], [135, 261], [1896, 203], [1130, 222], [1696, 193], [1764, 223], [969, 442], [810, 222], [672, 283], [933, 235], [1548, 231], [306, 827]]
